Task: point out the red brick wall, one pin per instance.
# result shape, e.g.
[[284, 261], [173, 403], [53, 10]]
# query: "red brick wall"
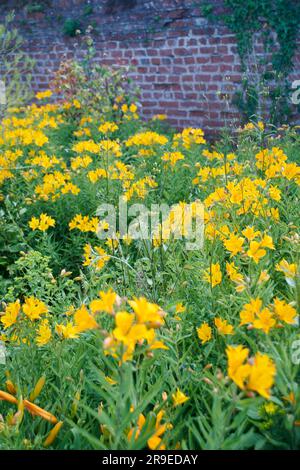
[[184, 65]]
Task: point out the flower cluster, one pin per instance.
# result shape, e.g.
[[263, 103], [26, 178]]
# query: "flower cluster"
[[85, 299], [256, 375], [41, 223], [133, 328]]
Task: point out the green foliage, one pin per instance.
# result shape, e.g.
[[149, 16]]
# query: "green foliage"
[[31, 273], [276, 24], [88, 10], [11, 238], [50, 278], [279, 16], [71, 26], [15, 66], [96, 86], [36, 7], [207, 10]]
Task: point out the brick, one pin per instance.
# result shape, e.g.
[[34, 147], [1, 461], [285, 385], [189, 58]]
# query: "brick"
[[184, 65], [202, 59]]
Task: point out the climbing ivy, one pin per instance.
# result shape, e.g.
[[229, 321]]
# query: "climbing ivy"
[[276, 22]]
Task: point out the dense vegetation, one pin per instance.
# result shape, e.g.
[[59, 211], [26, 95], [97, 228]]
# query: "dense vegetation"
[[179, 334], [118, 342]]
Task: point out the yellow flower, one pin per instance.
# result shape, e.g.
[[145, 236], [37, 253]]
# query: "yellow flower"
[[76, 104], [250, 233], [223, 327], [126, 239], [285, 312], [258, 377], [80, 162], [189, 136], [34, 223], [232, 272], [159, 117], [84, 320], [262, 375], [263, 277], [213, 275], [180, 308], [275, 193], [179, 397], [255, 251], [267, 242], [204, 333], [274, 213], [270, 408], [253, 126], [237, 370], [291, 171], [234, 244], [43, 333], [250, 310], [105, 303], [110, 146], [133, 108], [137, 328], [86, 146], [155, 441], [264, 321], [68, 331], [124, 322], [82, 223], [172, 157], [34, 308], [42, 223], [40, 139], [148, 138], [11, 314], [147, 312], [70, 188], [107, 127], [96, 257], [289, 270], [43, 94], [155, 344], [236, 277]]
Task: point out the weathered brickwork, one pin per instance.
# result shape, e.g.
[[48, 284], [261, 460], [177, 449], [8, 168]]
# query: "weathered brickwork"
[[185, 66]]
